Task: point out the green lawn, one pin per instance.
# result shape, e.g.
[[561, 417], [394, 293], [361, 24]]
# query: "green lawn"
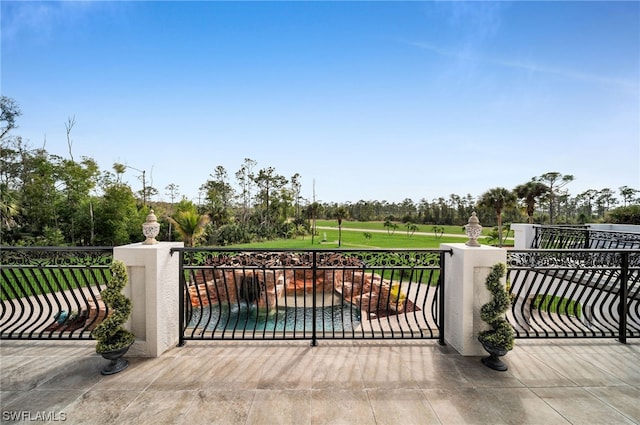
[[328, 239], [559, 305], [357, 240], [379, 225], [20, 282]]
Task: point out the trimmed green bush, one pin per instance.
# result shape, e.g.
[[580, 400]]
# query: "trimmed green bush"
[[110, 334], [501, 335]]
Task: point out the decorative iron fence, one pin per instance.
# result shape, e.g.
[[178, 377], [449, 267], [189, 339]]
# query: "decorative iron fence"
[[582, 237], [574, 293], [311, 294], [52, 292]]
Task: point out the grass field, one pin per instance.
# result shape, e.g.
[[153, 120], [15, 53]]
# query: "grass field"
[[18, 282], [558, 305], [379, 225], [377, 237]]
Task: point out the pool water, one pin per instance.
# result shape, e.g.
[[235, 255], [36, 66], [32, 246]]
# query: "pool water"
[[246, 316]]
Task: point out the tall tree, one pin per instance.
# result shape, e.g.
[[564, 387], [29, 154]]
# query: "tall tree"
[[39, 197], [117, 220], [530, 192], [9, 210], [219, 194], [498, 199], [605, 200], [78, 179], [243, 176], [628, 194], [313, 211], [586, 199], [172, 192], [269, 184], [296, 186], [554, 181], [9, 113]]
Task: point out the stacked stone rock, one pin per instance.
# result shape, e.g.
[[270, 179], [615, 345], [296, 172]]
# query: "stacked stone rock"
[[278, 276]]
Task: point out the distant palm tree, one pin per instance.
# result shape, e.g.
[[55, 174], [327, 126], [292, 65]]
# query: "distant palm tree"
[[530, 192], [340, 213], [411, 229], [498, 199], [190, 225]]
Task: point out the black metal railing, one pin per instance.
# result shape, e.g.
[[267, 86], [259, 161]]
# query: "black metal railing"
[[52, 292], [311, 294], [575, 293], [583, 237]]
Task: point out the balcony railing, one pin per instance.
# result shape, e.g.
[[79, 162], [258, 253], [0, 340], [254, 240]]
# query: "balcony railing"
[[582, 237], [575, 293], [52, 292], [311, 294]]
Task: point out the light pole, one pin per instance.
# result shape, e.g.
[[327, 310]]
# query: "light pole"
[[144, 184]]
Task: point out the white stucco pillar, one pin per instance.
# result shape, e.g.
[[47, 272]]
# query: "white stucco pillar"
[[153, 290], [465, 292], [523, 234]]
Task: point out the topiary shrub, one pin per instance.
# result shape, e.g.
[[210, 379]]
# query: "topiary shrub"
[[501, 335], [110, 334]]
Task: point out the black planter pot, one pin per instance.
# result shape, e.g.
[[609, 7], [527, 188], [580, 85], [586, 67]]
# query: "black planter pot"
[[493, 361], [118, 364]]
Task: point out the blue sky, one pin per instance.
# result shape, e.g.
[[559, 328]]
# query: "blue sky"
[[371, 100]]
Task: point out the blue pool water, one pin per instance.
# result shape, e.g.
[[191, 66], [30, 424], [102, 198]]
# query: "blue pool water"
[[246, 316]]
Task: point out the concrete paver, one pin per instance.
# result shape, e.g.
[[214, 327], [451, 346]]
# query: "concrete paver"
[[337, 382]]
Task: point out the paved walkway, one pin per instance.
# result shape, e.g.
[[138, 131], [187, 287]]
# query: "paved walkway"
[[337, 382]]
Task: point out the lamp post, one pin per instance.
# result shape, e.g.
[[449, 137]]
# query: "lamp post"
[[144, 184]]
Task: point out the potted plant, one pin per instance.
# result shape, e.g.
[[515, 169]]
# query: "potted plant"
[[113, 339], [498, 340]]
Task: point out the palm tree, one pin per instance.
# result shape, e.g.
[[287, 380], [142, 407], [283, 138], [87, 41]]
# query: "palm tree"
[[190, 225], [312, 212], [530, 192], [498, 199], [340, 213]]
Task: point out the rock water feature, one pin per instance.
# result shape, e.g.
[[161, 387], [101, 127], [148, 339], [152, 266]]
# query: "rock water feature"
[[268, 281]]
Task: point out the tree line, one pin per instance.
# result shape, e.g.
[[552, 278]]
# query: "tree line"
[[48, 199]]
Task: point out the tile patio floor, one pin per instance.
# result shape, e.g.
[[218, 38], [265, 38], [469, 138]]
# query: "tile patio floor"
[[337, 382]]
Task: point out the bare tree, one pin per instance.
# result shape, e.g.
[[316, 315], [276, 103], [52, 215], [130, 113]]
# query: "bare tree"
[[172, 192], [71, 121]]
